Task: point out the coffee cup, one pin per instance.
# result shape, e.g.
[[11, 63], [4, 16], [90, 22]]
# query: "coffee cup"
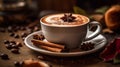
[[68, 29]]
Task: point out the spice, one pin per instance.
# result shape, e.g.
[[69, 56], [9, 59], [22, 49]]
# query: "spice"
[[87, 46], [68, 17], [38, 37]]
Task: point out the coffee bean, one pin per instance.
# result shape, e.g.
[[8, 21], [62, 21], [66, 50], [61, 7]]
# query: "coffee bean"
[[2, 29], [4, 56], [11, 44], [23, 38], [40, 57], [12, 41], [21, 63], [24, 34], [36, 28], [16, 36], [15, 51], [8, 46], [18, 44], [38, 37], [22, 28], [6, 42], [17, 28], [18, 64], [29, 30], [10, 29], [12, 34], [15, 46]]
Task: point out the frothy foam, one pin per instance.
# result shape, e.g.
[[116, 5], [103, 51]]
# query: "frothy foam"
[[55, 19]]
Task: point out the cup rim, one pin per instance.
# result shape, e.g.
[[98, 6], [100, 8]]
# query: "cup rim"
[[64, 25]]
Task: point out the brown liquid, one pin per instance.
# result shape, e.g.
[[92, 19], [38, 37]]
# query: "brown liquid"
[[55, 19]]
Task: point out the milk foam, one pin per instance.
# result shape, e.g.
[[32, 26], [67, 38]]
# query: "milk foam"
[[56, 20]]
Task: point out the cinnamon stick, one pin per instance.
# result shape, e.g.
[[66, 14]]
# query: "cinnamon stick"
[[53, 49], [49, 44]]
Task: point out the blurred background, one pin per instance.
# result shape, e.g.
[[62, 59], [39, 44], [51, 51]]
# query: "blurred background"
[[29, 10]]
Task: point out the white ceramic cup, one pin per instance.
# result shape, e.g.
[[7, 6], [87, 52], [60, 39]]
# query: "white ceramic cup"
[[69, 35]]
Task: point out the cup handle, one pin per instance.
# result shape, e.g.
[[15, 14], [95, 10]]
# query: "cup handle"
[[97, 31]]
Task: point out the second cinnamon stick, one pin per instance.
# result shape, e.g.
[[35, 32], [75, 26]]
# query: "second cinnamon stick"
[[39, 42]]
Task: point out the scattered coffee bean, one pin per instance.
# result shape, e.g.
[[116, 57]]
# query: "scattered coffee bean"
[[23, 38], [12, 34], [16, 28], [15, 51], [18, 64], [16, 36], [22, 28], [12, 41], [15, 46], [8, 46], [10, 29], [11, 44], [6, 42], [24, 34], [36, 28], [40, 57], [4, 56], [18, 44], [21, 63], [29, 30], [2, 29]]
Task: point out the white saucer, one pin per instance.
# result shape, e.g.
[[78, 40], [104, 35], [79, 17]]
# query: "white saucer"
[[100, 42]]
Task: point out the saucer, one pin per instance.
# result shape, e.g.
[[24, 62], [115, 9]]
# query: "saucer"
[[100, 41]]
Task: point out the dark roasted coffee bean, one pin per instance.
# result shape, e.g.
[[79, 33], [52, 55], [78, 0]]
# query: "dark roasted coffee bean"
[[6, 42], [18, 64], [10, 29], [16, 36], [36, 28], [29, 30], [38, 37], [12, 41], [15, 46], [12, 34], [42, 37], [23, 38], [18, 44], [15, 28], [2, 30], [4, 56], [11, 44], [21, 63], [40, 57], [22, 28], [15, 51], [8, 46], [24, 34]]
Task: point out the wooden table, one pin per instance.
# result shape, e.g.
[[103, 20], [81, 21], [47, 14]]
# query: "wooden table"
[[91, 60]]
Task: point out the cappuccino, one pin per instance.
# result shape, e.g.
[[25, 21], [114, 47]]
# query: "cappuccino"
[[65, 19], [67, 29]]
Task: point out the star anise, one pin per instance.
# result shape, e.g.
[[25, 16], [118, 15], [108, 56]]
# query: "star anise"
[[68, 17]]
